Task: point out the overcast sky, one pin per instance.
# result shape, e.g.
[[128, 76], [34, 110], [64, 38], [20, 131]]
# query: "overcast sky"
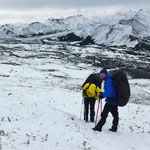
[[30, 4], [66, 7]]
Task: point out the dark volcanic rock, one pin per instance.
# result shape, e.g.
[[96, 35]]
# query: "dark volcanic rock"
[[71, 37], [142, 46], [87, 41], [133, 38]]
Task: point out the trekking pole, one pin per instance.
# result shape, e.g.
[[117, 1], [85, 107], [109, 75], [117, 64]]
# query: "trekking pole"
[[97, 113], [81, 108], [101, 106]]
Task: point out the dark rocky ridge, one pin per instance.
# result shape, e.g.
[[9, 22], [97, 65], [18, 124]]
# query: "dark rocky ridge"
[[71, 37], [87, 41], [142, 46]]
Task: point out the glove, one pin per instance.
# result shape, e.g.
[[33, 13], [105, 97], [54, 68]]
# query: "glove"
[[82, 95], [100, 95]]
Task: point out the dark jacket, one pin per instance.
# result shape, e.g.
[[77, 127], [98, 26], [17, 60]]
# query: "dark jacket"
[[109, 90]]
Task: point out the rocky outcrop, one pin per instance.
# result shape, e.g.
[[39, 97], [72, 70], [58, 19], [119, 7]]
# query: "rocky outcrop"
[[71, 37], [87, 41]]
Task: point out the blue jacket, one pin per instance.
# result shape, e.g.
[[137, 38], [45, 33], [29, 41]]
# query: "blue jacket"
[[109, 90]]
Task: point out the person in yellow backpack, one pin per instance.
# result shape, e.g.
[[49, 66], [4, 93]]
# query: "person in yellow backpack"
[[90, 92]]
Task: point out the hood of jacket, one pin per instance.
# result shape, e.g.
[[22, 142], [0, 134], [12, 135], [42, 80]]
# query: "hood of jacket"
[[108, 76]]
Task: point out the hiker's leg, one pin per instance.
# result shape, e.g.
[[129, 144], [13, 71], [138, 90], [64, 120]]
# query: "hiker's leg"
[[106, 110], [115, 115], [86, 109], [92, 109]]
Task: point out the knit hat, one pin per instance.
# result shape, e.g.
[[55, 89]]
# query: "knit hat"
[[104, 71]]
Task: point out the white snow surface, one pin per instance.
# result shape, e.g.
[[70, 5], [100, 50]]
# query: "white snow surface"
[[41, 103]]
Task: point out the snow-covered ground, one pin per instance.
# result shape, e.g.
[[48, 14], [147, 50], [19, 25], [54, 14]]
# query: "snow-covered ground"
[[41, 102]]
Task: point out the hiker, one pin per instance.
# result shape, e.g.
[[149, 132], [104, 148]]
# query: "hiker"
[[111, 102], [90, 92]]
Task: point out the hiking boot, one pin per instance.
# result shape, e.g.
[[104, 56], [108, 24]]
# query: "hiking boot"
[[99, 130], [86, 120], [113, 130], [92, 120]]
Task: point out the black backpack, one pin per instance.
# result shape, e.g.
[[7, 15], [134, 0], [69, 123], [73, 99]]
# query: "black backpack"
[[122, 88], [95, 79]]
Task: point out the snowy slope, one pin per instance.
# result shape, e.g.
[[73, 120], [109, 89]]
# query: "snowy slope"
[[113, 35], [41, 103], [69, 23], [7, 31], [140, 23], [35, 28], [49, 117], [56, 24]]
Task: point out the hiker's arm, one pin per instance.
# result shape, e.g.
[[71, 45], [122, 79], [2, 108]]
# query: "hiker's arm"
[[108, 88], [99, 93]]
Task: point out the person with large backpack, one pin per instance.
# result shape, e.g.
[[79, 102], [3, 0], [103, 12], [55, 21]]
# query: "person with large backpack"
[[90, 92], [111, 102]]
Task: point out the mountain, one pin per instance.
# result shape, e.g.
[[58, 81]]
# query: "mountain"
[[140, 23], [35, 28], [56, 24], [66, 24], [7, 31], [122, 29], [113, 35]]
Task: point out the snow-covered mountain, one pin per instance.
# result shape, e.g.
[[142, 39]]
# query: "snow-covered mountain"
[[123, 29], [7, 31], [113, 35], [140, 23], [65, 24], [35, 28]]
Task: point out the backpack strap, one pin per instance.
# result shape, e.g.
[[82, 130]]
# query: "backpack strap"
[[95, 89], [84, 91]]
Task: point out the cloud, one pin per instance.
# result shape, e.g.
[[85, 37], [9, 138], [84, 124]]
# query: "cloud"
[[34, 4], [12, 11]]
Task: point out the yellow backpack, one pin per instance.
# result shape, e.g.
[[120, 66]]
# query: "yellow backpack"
[[91, 90]]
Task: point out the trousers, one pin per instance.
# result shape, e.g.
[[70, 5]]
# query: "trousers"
[[89, 102], [114, 111]]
